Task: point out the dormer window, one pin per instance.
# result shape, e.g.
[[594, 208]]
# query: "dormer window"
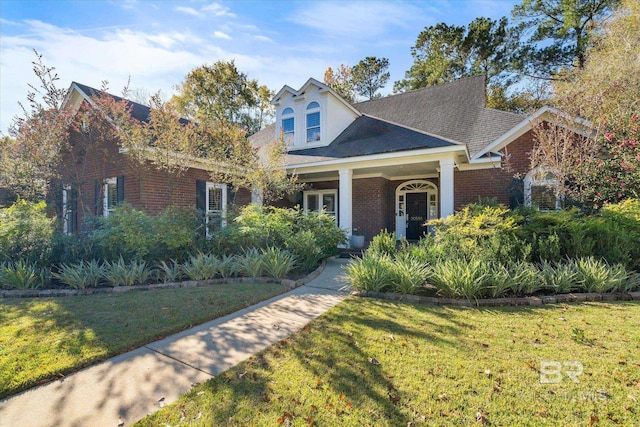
[[313, 122], [288, 125]]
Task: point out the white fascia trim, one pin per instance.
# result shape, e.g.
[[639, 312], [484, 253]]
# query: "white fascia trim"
[[191, 162], [526, 125], [415, 156], [299, 94]]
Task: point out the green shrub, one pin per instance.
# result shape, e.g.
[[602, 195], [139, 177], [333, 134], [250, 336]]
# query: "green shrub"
[[307, 252], [459, 278], [593, 275], [408, 275], [384, 244], [425, 250], [26, 233], [228, 266], [374, 272], [251, 263], [632, 282], [84, 274], [498, 281], [278, 262], [22, 275], [202, 267], [119, 273]]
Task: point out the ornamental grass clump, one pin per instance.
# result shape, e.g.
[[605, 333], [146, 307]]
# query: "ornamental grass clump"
[[119, 273], [458, 278], [251, 263], [228, 266], [408, 274], [81, 275], [278, 262], [560, 278], [22, 275], [374, 272], [526, 278], [202, 267], [594, 275], [169, 272]]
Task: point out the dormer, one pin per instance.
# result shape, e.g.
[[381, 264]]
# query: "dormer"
[[312, 116]]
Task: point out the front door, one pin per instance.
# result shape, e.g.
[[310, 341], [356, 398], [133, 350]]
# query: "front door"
[[416, 215]]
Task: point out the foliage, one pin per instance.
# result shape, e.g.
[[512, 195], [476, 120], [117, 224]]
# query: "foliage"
[[560, 278], [169, 272], [459, 278], [374, 272], [369, 76], [22, 274], [120, 273], [84, 274], [593, 275], [340, 81], [229, 266], [202, 267], [278, 262], [251, 264], [133, 234], [304, 247], [561, 32], [444, 53], [408, 275], [384, 243], [223, 94], [26, 233], [525, 278]]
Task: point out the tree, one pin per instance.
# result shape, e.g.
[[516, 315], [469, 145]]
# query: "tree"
[[341, 82], [561, 32], [444, 53], [221, 92], [369, 76], [605, 167]]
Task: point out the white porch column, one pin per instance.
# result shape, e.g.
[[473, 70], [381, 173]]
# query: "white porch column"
[[345, 201], [446, 187]]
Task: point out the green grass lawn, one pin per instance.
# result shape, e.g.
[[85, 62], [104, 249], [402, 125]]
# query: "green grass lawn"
[[43, 338], [379, 363]]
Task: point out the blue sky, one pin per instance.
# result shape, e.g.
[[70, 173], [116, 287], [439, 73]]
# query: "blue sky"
[[157, 43]]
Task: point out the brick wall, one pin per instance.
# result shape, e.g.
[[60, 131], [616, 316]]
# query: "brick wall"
[[370, 206], [503, 184], [145, 187]]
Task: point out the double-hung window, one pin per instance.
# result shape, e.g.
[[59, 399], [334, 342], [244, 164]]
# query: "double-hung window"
[[540, 191], [288, 125], [110, 200], [319, 200], [69, 209], [216, 206], [313, 122]]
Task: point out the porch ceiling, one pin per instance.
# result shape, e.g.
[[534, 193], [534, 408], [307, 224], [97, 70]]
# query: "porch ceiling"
[[390, 172]]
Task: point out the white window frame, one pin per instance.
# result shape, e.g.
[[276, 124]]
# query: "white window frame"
[[321, 193], [66, 211], [105, 196], [538, 178], [306, 124], [288, 137], [223, 213]]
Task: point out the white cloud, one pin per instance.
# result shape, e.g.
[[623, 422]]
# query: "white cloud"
[[188, 11], [263, 38], [355, 19], [218, 10], [221, 35]]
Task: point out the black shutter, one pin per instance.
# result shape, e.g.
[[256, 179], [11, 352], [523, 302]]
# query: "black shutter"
[[59, 203], [231, 195], [120, 189], [98, 198], [201, 195]]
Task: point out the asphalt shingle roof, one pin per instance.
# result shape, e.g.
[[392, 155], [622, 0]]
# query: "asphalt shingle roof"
[[453, 110]]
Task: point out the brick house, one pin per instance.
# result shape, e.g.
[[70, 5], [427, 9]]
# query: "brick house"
[[100, 175], [395, 162]]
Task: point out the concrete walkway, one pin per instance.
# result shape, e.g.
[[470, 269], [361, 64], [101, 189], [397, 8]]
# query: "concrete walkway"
[[124, 389]]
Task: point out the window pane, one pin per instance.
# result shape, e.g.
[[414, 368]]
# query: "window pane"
[[313, 119], [112, 199], [543, 197], [287, 111], [215, 199], [313, 134], [287, 125], [313, 105], [329, 203], [312, 202]]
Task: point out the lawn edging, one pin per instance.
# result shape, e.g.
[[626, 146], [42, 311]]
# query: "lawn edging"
[[48, 293], [501, 302]]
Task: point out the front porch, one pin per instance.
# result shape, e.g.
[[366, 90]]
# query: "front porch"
[[399, 196]]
